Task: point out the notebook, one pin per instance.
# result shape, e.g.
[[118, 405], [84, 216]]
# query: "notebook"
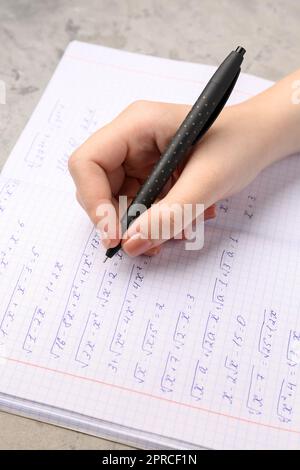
[[184, 350]]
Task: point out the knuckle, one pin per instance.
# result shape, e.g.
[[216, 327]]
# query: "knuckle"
[[138, 104], [142, 106], [73, 161]]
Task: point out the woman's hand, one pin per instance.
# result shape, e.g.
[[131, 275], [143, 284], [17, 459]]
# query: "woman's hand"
[[117, 159]]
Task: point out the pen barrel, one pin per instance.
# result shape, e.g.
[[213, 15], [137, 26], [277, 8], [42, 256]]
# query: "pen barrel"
[[180, 145], [196, 123], [192, 128]]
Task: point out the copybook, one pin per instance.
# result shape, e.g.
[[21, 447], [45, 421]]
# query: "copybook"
[[185, 350]]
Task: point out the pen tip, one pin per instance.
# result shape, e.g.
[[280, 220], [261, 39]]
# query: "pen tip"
[[105, 259], [241, 50]]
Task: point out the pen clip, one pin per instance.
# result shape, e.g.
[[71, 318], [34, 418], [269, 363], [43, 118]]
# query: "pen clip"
[[218, 108]]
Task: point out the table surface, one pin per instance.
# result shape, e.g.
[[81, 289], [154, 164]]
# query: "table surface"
[[34, 34]]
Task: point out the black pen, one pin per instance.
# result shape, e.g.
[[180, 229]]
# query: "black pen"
[[200, 118]]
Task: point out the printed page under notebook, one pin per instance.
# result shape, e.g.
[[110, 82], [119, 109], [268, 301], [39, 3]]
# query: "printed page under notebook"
[[200, 347], [91, 85]]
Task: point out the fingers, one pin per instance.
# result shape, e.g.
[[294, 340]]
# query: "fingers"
[[95, 184], [128, 142], [186, 201], [153, 252], [136, 247], [95, 180], [165, 220], [96, 168]]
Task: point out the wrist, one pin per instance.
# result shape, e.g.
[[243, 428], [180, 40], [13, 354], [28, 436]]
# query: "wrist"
[[277, 118]]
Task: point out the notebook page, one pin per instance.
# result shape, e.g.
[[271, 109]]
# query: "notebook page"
[[202, 348], [91, 85], [207, 351]]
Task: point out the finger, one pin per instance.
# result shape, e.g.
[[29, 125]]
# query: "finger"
[[96, 166], [210, 212], [154, 251], [167, 219], [138, 135], [79, 200], [97, 170], [94, 184], [108, 225], [163, 221]]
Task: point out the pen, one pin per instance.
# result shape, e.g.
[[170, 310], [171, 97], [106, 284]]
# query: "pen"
[[200, 118]]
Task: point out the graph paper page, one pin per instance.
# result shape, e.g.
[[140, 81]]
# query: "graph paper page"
[[204, 347]]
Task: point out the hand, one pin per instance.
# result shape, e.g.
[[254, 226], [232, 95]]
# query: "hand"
[[117, 159]]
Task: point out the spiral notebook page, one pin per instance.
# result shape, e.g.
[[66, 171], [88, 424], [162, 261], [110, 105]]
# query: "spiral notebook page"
[[197, 349]]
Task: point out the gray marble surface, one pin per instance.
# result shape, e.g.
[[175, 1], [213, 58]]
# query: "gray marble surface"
[[33, 36]]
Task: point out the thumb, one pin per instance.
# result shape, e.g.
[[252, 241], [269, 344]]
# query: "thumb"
[[164, 220]]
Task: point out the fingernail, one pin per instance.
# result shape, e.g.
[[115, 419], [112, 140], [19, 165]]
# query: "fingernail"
[[153, 251], [136, 245], [210, 213]]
